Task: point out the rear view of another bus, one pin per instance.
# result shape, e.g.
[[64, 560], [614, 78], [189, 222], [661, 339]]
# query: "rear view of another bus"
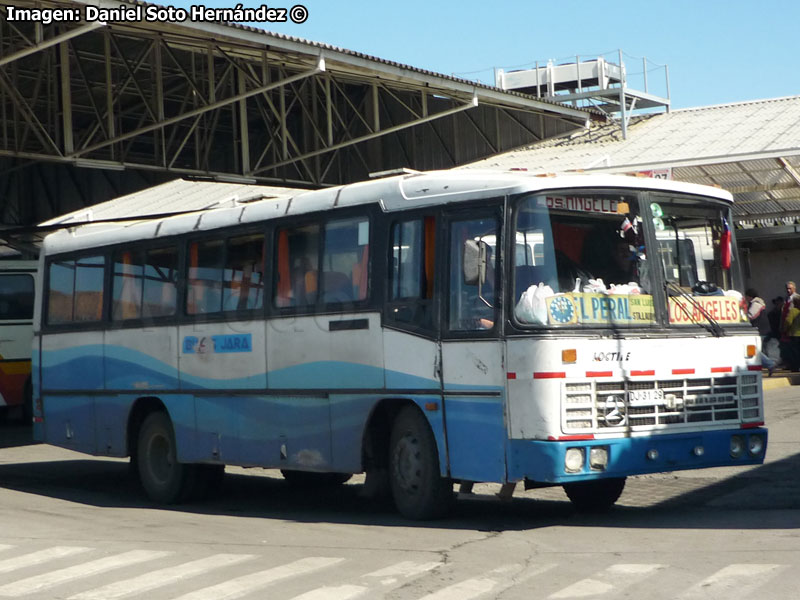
[[17, 284]]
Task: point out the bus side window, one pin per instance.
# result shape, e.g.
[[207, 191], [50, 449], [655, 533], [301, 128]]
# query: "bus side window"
[[411, 265], [204, 287], [160, 282], [126, 294], [89, 281], [61, 291], [472, 304], [297, 266], [243, 286], [16, 297], [345, 258]]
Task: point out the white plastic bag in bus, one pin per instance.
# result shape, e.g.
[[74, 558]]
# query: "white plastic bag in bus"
[[532, 306]]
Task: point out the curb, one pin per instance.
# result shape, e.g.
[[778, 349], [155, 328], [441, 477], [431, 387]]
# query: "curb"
[[774, 383]]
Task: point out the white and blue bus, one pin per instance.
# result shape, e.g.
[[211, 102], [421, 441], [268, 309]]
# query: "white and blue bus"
[[425, 329]]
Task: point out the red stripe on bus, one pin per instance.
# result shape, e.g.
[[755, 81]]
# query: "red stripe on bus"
[[550, 375], [721, 369], [570, 438], [642, 373], [511, 375], [754, 367], [683, 371], [752, 425], [599, 373]]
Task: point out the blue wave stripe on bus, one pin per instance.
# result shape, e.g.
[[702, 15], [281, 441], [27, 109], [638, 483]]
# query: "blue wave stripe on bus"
[[85, 367], [79, 368], [324, 374]]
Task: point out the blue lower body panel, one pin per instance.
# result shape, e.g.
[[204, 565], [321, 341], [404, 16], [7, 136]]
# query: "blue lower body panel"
[[543, 461]]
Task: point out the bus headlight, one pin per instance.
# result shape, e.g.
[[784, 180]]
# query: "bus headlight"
[[755, 445], [737, 446], [573, 460], [598, 458]]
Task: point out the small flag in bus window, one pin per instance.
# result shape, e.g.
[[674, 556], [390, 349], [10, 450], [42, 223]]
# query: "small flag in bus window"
[[725, 245]]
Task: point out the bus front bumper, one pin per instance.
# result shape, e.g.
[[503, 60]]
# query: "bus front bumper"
[[567, 460]]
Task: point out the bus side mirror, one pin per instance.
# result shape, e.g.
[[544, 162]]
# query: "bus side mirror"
[[474, 262]]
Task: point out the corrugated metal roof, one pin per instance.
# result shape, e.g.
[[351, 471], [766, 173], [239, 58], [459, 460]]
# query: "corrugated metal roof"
[[175, 197], [751, 148]]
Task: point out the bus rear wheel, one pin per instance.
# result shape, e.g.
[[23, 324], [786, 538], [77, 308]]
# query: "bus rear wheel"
[[418, 490], [163, 478], [595, 496]]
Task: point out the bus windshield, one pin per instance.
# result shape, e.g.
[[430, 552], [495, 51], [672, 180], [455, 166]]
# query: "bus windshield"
[[583, 260], [696, 256], [589, 251]]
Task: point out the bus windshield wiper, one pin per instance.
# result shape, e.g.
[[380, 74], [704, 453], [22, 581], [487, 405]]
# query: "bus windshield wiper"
[[712, 326]]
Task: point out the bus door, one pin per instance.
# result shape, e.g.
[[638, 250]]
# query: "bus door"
[[473, 377]]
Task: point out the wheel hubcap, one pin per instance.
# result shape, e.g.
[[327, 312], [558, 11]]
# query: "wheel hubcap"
[[408, 465], [161, 460]]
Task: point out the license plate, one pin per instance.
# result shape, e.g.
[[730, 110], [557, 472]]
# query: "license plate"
[[646, 395], [709, 400]]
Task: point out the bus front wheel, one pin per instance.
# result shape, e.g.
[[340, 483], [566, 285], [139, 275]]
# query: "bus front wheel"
[[595, 496], [418, 490], [163, 478]]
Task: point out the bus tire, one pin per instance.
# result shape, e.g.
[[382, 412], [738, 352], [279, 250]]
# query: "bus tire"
[[595, 496], [163, 478], [309, 479], [418, 490]]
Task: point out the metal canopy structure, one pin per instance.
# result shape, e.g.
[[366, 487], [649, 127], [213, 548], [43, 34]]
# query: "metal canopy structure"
[[93, 110], [751, 149]]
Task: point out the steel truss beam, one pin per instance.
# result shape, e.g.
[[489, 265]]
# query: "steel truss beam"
[[215, 100]]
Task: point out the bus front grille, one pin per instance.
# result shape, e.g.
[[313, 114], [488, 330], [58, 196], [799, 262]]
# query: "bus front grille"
[[606, 406]]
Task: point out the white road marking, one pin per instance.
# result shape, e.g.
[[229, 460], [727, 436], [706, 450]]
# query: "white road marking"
[[61, 576], [613, 579], [162, 577], [404, 569], [39, 557], [247, 584], [740, 579], [342, 592], [463, 590]]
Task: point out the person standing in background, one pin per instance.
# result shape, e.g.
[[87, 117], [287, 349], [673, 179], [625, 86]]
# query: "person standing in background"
[[785, 340], [790, 329], [757, 313]]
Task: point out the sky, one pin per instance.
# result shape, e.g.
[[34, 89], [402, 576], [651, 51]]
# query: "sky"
[[716, 51]]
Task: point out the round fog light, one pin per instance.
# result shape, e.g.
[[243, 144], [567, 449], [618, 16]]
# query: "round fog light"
[[698, 451], [737, 446], [755, 445], [598, 458], [652, 454], [573, 460]]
